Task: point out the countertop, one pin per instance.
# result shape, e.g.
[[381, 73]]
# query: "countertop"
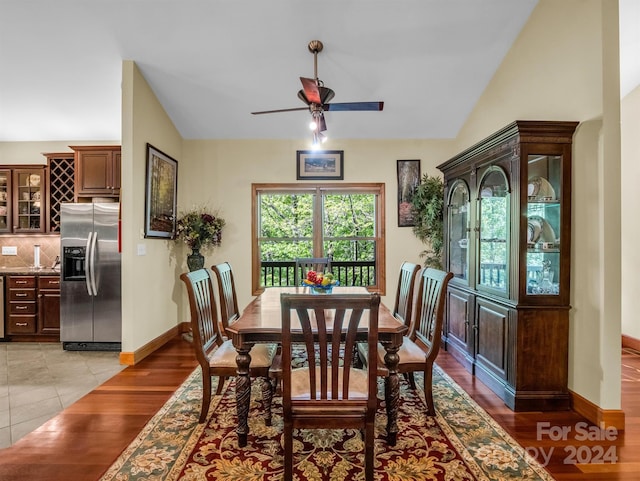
[[43, 271]]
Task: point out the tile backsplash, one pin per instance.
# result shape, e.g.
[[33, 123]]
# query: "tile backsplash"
[[49, 249]]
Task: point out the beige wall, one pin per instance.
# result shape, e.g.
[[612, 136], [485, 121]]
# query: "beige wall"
[[563, 66], [630, 232], [220, 173], [31, 152], [150, 294]]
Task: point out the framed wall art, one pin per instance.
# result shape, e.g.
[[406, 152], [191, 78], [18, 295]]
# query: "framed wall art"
[[320, 165], [408, 181], [160, 212]]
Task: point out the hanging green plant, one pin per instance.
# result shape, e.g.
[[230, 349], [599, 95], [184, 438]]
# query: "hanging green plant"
[[427, 207]]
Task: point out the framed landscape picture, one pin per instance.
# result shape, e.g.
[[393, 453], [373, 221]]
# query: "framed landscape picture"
[[320, 165], [161, 198], [408, 181]]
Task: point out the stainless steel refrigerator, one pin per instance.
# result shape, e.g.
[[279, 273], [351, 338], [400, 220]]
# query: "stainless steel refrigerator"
[[90, 292]]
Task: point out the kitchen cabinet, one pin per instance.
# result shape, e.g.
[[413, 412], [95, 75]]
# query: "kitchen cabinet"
[[507, 241], [49, 305], [6, 198], [22, 199], [60, 183], [97, 171], [32, 307], [21, 308]]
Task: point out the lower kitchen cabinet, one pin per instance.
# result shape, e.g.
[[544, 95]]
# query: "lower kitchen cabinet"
[[33, 307], [49, 305]]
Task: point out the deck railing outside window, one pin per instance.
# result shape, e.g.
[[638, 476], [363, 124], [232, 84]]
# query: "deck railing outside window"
[[348, 273]]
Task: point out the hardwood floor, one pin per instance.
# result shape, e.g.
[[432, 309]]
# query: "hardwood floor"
[[84, 440]]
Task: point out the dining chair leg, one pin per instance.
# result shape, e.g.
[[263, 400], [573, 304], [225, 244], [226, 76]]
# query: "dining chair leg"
[[411, 379], [369, 451], [428, 390], [267, 398], [288, 451], [206, 396], [221, 381]]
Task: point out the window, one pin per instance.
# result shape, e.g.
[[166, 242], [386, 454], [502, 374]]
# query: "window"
[[341, 221]]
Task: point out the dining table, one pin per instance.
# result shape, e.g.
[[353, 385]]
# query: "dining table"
[[261, 322]]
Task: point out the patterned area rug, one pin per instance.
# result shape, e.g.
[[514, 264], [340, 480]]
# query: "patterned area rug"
[[461, 443]]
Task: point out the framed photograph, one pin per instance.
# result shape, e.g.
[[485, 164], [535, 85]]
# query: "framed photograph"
[[408, 181], [320, 165], [160, 210]]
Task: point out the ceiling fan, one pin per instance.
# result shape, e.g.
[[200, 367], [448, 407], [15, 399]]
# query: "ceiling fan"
[[317, 98]]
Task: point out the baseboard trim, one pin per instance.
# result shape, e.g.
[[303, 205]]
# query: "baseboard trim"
[[131, 358], [631, 342], [596, 415]]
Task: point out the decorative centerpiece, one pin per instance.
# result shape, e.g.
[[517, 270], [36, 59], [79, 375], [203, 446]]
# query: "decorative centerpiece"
[[199, 229], [320, 283]]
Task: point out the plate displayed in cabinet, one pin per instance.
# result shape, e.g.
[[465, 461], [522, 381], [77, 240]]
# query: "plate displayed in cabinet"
[[546, 233], [540, 189]]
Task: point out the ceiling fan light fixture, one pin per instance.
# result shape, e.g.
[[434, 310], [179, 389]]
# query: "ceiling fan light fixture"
[[313, 125]]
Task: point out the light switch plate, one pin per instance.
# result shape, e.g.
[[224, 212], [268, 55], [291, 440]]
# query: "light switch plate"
[[142, 249], [9, 250]]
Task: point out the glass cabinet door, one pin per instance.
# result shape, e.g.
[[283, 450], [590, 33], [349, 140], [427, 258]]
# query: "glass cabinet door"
[[458, 229], [5, 201], [28, 212], [493, 230], [543, 224]]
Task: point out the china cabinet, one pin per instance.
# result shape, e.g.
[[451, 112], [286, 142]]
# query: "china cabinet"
[[507, 242]]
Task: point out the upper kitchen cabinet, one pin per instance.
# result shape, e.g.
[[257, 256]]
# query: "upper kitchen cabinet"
[[508, 244], [5, 200], [97, 171], [61, 181], [29, 200]]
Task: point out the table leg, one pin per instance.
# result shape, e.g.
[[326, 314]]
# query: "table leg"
[[243, 394], [392, 392]]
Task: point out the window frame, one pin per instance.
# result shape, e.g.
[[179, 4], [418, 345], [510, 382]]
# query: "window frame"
[[320, 189]]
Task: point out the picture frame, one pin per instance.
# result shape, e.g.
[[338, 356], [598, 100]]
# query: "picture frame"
[[408, 180], [161, 195], [320, 165]]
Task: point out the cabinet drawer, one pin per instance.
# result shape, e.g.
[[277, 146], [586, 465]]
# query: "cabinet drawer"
[[22, 308], [21, 325], [22, 294], [22, 281], [52, 282]]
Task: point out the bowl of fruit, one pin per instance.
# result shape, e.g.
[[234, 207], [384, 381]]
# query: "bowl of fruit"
[[320, 283]]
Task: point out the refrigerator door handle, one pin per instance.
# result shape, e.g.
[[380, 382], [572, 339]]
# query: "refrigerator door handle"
[[87, 264], [94, 284]]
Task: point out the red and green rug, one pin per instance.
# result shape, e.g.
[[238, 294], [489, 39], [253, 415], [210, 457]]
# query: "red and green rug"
[[461, 443]]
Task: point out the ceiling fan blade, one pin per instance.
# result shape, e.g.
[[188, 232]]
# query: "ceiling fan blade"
[[352, 106], [280, 110], [311, 91]]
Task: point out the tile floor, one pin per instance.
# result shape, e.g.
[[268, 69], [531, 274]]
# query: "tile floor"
[[38, 380]]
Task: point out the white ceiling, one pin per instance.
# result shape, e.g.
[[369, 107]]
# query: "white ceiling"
[[212, 62]]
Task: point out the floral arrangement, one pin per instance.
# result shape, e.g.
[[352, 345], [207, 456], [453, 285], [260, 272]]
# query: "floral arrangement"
[[320, 282], [199, 229]]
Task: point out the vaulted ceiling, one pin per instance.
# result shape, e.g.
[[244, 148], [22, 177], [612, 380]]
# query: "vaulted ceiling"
[[212, 62]]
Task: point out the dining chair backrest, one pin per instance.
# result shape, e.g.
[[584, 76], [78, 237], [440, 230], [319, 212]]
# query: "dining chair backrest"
[[204, 317], [306, 264], [404, 294], [429, 315], [330, 392], [229, 311]]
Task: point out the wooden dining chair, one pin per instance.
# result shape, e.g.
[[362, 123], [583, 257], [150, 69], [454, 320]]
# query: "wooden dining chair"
[[329, 392], [306, 264], [229, 311], [217, 357], [402, 308], [421, 345]]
